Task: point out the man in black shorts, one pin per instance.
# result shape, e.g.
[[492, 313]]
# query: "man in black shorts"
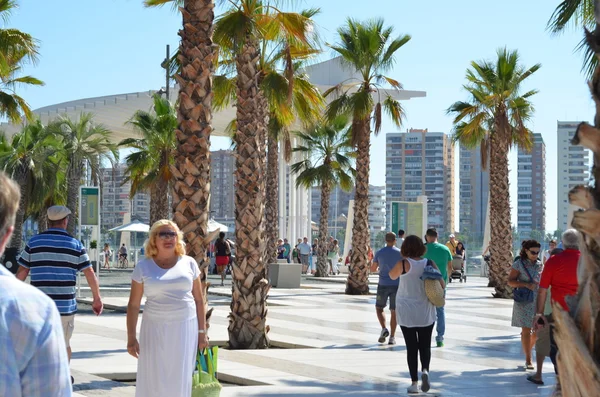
[[385, 260]]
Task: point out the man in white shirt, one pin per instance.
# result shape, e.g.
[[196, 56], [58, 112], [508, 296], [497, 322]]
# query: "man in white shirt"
[[304, 250], [32, 346], [400, 238]]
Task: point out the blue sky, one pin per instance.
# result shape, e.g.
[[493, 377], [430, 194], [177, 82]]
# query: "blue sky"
[[92, 48]]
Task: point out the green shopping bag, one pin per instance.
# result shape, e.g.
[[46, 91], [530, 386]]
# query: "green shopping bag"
[[204, 380]]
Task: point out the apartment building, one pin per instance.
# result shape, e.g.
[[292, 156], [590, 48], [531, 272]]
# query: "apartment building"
[[421, 163], [474, 191], [531, 185]]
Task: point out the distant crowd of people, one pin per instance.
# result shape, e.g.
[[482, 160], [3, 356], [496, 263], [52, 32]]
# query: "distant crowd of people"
[[305, 254]]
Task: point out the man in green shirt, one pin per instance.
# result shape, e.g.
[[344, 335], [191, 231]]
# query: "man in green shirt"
[[441, 255]]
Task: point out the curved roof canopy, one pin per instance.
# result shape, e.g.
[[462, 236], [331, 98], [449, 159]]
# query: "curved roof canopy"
[[113, 111]]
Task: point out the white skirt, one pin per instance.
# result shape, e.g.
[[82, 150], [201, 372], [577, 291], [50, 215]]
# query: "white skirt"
[[167, 357]]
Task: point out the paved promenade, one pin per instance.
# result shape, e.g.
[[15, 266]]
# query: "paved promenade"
[[327, 346]]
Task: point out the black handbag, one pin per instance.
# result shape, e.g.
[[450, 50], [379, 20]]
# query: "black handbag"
[[522, 294]]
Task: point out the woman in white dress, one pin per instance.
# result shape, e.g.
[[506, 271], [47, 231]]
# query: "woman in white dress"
[[414, 313], [173, 324]]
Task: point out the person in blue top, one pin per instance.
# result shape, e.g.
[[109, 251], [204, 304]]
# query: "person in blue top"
[[385, 260]]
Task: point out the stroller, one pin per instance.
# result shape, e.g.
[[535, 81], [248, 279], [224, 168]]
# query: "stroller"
[[458, 269]]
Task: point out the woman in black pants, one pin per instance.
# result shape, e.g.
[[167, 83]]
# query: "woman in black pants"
[[414, 313]]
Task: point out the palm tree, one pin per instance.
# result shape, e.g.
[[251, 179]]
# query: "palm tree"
[[327, 149], [30, 159], [16, 49], [291, 97], [368, 49], [577, 13], [191, 170], [149, 168], [239, 31], [84, 144], [578, 330], [495, 117]]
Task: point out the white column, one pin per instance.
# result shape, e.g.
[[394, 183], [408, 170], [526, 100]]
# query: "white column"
[[282, 196], [309, 215], [291, 234]]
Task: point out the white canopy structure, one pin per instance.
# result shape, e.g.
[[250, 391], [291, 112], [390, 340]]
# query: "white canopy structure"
[[135, 226], [113, 111]]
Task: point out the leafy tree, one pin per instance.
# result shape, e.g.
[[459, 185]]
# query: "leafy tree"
[[328, 162], [239, 31], [369, 49], [30, 158], [494, 117], [149, 168], [84, 144]]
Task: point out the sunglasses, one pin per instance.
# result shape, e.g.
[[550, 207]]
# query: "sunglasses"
[[534, 252], [167, 235]]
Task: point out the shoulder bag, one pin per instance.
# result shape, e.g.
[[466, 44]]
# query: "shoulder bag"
[[522, 294]]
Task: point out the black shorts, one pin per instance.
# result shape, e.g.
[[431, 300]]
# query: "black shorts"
[[383, 293]]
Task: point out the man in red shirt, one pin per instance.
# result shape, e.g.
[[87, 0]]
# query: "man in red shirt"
[[560, 273]]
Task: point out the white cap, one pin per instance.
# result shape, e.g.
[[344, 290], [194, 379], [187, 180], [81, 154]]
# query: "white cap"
[[58, 212], [452, 236]]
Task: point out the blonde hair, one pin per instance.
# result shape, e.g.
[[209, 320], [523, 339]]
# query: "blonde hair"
[[10, 195], [150, 248]]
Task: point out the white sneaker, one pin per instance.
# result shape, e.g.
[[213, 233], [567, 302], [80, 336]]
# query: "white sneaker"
[[384, 334], [425, 381], [392, 340], [413, 389]]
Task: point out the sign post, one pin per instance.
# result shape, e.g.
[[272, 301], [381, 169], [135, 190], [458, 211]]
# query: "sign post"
[[89, 215], [408, 216]]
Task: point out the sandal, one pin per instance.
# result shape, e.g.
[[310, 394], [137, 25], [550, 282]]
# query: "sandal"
[[532, 379], [529, 366]]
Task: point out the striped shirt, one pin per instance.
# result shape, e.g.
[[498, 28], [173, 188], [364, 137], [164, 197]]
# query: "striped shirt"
[[53, 259]]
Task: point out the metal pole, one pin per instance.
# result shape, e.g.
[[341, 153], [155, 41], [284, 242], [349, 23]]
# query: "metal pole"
[[167, 60]]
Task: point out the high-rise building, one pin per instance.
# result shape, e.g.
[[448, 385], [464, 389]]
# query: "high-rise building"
[[573, 169], [474, 191], [421, 163], [222, 186], [116, 202], [377, 205], [531, 205]]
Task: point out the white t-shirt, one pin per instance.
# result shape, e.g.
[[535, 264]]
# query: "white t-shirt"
[[399, 242], [413, 309], [546, 255], [168, 291]]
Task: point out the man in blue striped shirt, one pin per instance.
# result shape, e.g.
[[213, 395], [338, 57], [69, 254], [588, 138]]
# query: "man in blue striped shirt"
[[32, 348], [53, 258]]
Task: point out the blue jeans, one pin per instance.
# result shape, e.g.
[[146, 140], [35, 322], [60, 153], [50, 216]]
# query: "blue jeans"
[[440, 327]]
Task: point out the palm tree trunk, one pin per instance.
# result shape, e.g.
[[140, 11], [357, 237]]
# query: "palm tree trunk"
[[159, 201], [322, 263], [191, 169], [247, 321], [21, 179], [358, 278], [43, 219], [501, 249], [74, 174], [272, 199]]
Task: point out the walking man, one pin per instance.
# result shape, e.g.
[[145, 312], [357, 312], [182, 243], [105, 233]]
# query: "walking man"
[[560, 273], [304, 250], [53, 258], [32, 347], [287, 250], [400, 238], [442, 257], [385, 260]]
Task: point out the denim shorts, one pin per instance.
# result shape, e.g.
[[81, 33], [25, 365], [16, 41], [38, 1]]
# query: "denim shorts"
[[383, 293]]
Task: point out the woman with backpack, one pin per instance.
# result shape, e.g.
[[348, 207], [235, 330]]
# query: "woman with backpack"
[[222, 256]]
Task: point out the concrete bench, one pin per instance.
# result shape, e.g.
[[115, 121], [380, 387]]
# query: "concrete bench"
[[285, 275]]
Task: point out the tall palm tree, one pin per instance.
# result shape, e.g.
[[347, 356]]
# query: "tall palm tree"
[[328, 153], [239, 31], [369, 49], [149, 168], [495, 116], [16, 49], [85, 143], [578, 330], [191, 170], [291, 98], [30, 159]]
